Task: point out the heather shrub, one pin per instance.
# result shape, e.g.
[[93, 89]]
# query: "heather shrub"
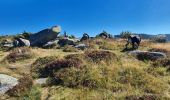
[[22, 88], [18, 54], [167, 52], [165, 63], [60, 64], [83, 77], [37, 68], [96, 56]]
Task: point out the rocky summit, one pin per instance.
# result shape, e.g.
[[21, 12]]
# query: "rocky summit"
[[41, 38]]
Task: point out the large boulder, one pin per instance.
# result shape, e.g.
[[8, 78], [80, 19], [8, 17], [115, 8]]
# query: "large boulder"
[[7, 83], [146, 55], [41, 38], [67, 41], [21, 42], [85, 37]]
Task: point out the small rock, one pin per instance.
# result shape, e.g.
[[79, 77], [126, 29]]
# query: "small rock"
[[7, 83], [81, 46], [21, 42], [41, 81]]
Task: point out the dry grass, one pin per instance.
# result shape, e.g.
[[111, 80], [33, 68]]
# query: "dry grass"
[[161, 47], [88, 75], [19, 54]]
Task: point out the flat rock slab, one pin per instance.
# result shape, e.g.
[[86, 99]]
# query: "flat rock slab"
[[146, 55], [41, 81], [7, 82]]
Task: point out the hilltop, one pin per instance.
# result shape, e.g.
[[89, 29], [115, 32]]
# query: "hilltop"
[[99, 71]]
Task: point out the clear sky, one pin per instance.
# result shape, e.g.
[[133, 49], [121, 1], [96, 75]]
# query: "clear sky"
[[91, 16]]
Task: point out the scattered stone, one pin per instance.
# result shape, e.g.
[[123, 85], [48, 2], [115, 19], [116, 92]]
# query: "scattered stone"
[[41, 81], [41, 38], [146, 55], [81, 46], [7, 83]]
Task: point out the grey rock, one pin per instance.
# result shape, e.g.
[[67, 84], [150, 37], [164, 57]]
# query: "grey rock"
[[85, 37], [148, 55], [81, 46], [67, 41], [41, 81], [41, 38], [7, 83], [21, 42], [7, 43], [51, 43]]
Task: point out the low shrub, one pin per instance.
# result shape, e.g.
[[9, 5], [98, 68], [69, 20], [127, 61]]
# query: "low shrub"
[[37, 68], [84, 77], [100, 56], [60, 64], [19, 54], [22, 88], [162, 63], [167, 52]]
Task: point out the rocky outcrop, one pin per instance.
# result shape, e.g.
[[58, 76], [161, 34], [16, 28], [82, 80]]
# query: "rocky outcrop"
[[146, 55], [41, 38], [7, 83], [21, 42], [85, 37]]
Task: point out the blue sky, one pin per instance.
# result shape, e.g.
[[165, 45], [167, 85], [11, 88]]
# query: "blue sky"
[[91, 16]]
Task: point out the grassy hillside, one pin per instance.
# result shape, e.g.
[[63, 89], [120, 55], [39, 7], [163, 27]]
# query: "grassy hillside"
[[101, 72]]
